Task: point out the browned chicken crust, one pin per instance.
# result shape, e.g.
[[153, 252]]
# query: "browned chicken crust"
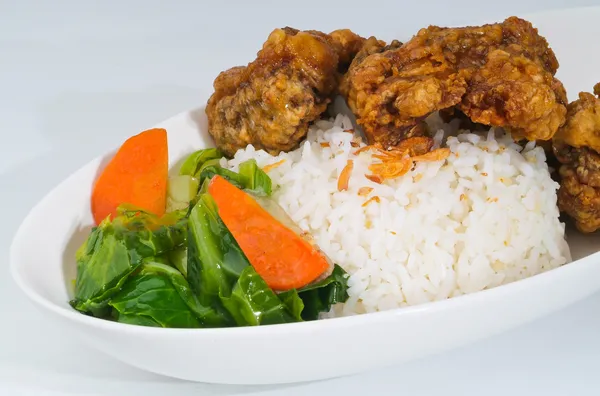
[[582, 128], [576, 146], [500, 74], [270, 102], [347, 45]]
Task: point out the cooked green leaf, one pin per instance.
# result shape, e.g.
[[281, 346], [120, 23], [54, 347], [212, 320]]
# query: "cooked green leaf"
[[178, 258], [192, 164], [147, 235], [136, 320], [256, 180], [115, 249], [320, 296], [293, 303], [207, 164], [158, 292], [250, 177], [215, 261], [103, 264], [253, 303], [234, 178]]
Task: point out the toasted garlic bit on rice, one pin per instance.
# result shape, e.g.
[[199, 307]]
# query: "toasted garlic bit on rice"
[[372, 199], [375, 178], [267, 168], [345, 176], [324, 144], [391, 169], [449, 239], [364, 191], [398, 161]]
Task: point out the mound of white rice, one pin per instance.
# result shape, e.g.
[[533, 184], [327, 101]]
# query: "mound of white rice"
[[483, 217]]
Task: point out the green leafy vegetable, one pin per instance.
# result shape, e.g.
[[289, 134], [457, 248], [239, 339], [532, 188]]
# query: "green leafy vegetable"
[[320, 296], [136, 320], [215, 261], [159, 293], [250, 177], [213, 162], [178, 258], [191, 166], [293, 303], [162, 259], [115, 249], [234, 178], [256, 180], [103, 264], [148, 235], [253, 303]]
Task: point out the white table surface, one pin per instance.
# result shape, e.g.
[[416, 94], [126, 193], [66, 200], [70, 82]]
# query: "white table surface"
[[78, 77]]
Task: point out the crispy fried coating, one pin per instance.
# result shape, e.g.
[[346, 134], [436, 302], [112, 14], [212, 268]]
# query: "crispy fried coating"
[[347, 44], [514, 92], [500, 74], [369, 47], [270, 102], [576, 145], [579, 192], [582, 128]]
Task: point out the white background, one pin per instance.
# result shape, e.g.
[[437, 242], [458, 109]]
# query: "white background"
[[78, 77]]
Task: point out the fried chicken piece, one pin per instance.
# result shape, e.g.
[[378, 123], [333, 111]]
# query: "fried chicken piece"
[[500, 74], [514, 92], [579, 192], [582, 128], [576, 145], [270, 102]]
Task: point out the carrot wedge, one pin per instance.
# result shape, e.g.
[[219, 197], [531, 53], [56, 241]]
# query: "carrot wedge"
[[136, 175], [280, 256]]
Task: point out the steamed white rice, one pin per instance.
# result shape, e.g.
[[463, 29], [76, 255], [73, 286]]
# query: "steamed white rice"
[[484, 217]]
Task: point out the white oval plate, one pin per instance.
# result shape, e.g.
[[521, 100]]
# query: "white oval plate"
[[42, 263]]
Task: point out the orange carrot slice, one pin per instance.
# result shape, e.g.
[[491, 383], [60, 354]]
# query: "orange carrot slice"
[[136, 175], [279, 255]]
